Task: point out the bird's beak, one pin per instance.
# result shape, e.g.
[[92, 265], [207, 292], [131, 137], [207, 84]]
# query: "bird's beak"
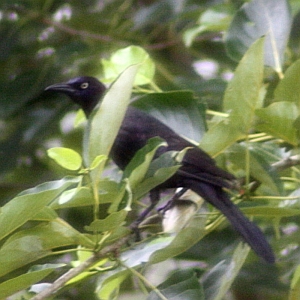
[[60, 87]]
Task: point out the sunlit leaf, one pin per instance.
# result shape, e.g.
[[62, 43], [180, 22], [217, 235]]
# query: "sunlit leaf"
[[108, 288], [219, 137], [66, 158], [104, 124], [126, 57], [278, 120], [29, 245], [288, 88], [97, 161], [80, 118], [27, 204], [242, 95], [82, 196]]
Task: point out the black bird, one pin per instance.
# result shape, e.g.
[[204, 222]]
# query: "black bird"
[[198, 171]]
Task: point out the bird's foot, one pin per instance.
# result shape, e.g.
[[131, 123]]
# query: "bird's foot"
[[134, 226], [172, 201]]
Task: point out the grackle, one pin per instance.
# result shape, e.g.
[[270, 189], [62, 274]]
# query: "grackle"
[[197, 172]]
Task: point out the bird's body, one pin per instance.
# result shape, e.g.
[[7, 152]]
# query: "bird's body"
[[138, 127], [198, 170]]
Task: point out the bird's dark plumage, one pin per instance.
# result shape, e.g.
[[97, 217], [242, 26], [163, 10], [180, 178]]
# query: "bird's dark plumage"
[[198, 171]]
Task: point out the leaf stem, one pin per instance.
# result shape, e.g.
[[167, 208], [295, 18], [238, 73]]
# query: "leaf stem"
[[61, 281], [149, 284]]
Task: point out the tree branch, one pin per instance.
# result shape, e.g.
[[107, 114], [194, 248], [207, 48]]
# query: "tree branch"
[[61, 281], [82, 33], [277, 166], [287, 163]]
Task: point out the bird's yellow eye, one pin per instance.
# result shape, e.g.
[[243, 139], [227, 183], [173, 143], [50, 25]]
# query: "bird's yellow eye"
[[84, 85]]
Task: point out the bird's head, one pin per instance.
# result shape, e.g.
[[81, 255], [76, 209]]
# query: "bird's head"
[[85, 91]]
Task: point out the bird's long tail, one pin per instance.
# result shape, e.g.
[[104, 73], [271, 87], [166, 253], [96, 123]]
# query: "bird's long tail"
[[248, 230]]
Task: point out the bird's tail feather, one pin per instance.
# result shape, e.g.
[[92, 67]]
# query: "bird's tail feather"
[[248, 230]]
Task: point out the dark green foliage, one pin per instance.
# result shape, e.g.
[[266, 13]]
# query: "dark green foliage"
[[248, 123]]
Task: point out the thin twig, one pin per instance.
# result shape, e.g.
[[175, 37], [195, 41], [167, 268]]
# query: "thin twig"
[[82, 33], [278, 167], [287, 163], [145, 281], [61, 281]]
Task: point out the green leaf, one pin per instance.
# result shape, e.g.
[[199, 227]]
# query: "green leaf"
[[80, 118], [278, 120], [179, 110], [160, 169], [104, 124], [271, 212], [126, 57], [242, 97], [79, 196], [295, 285], [118, 233], [32, 244], [260, 169], [220, 278], [160, 176], [216, 18], [66, 158], [117, 198], [182, 284], [46, 214], [142, 253], [108, 286], [100, 159], [138, 166], [24, 281], [259, 18], [29, 203], [110, 223], [297, 127], [109, 191], [109, 282], [288, 88], [219, 137]]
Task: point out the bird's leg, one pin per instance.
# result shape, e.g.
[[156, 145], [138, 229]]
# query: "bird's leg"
[[154, 199], [172, 201]]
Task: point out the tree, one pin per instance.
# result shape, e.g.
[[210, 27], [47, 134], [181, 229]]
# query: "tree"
[[66, 208]]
